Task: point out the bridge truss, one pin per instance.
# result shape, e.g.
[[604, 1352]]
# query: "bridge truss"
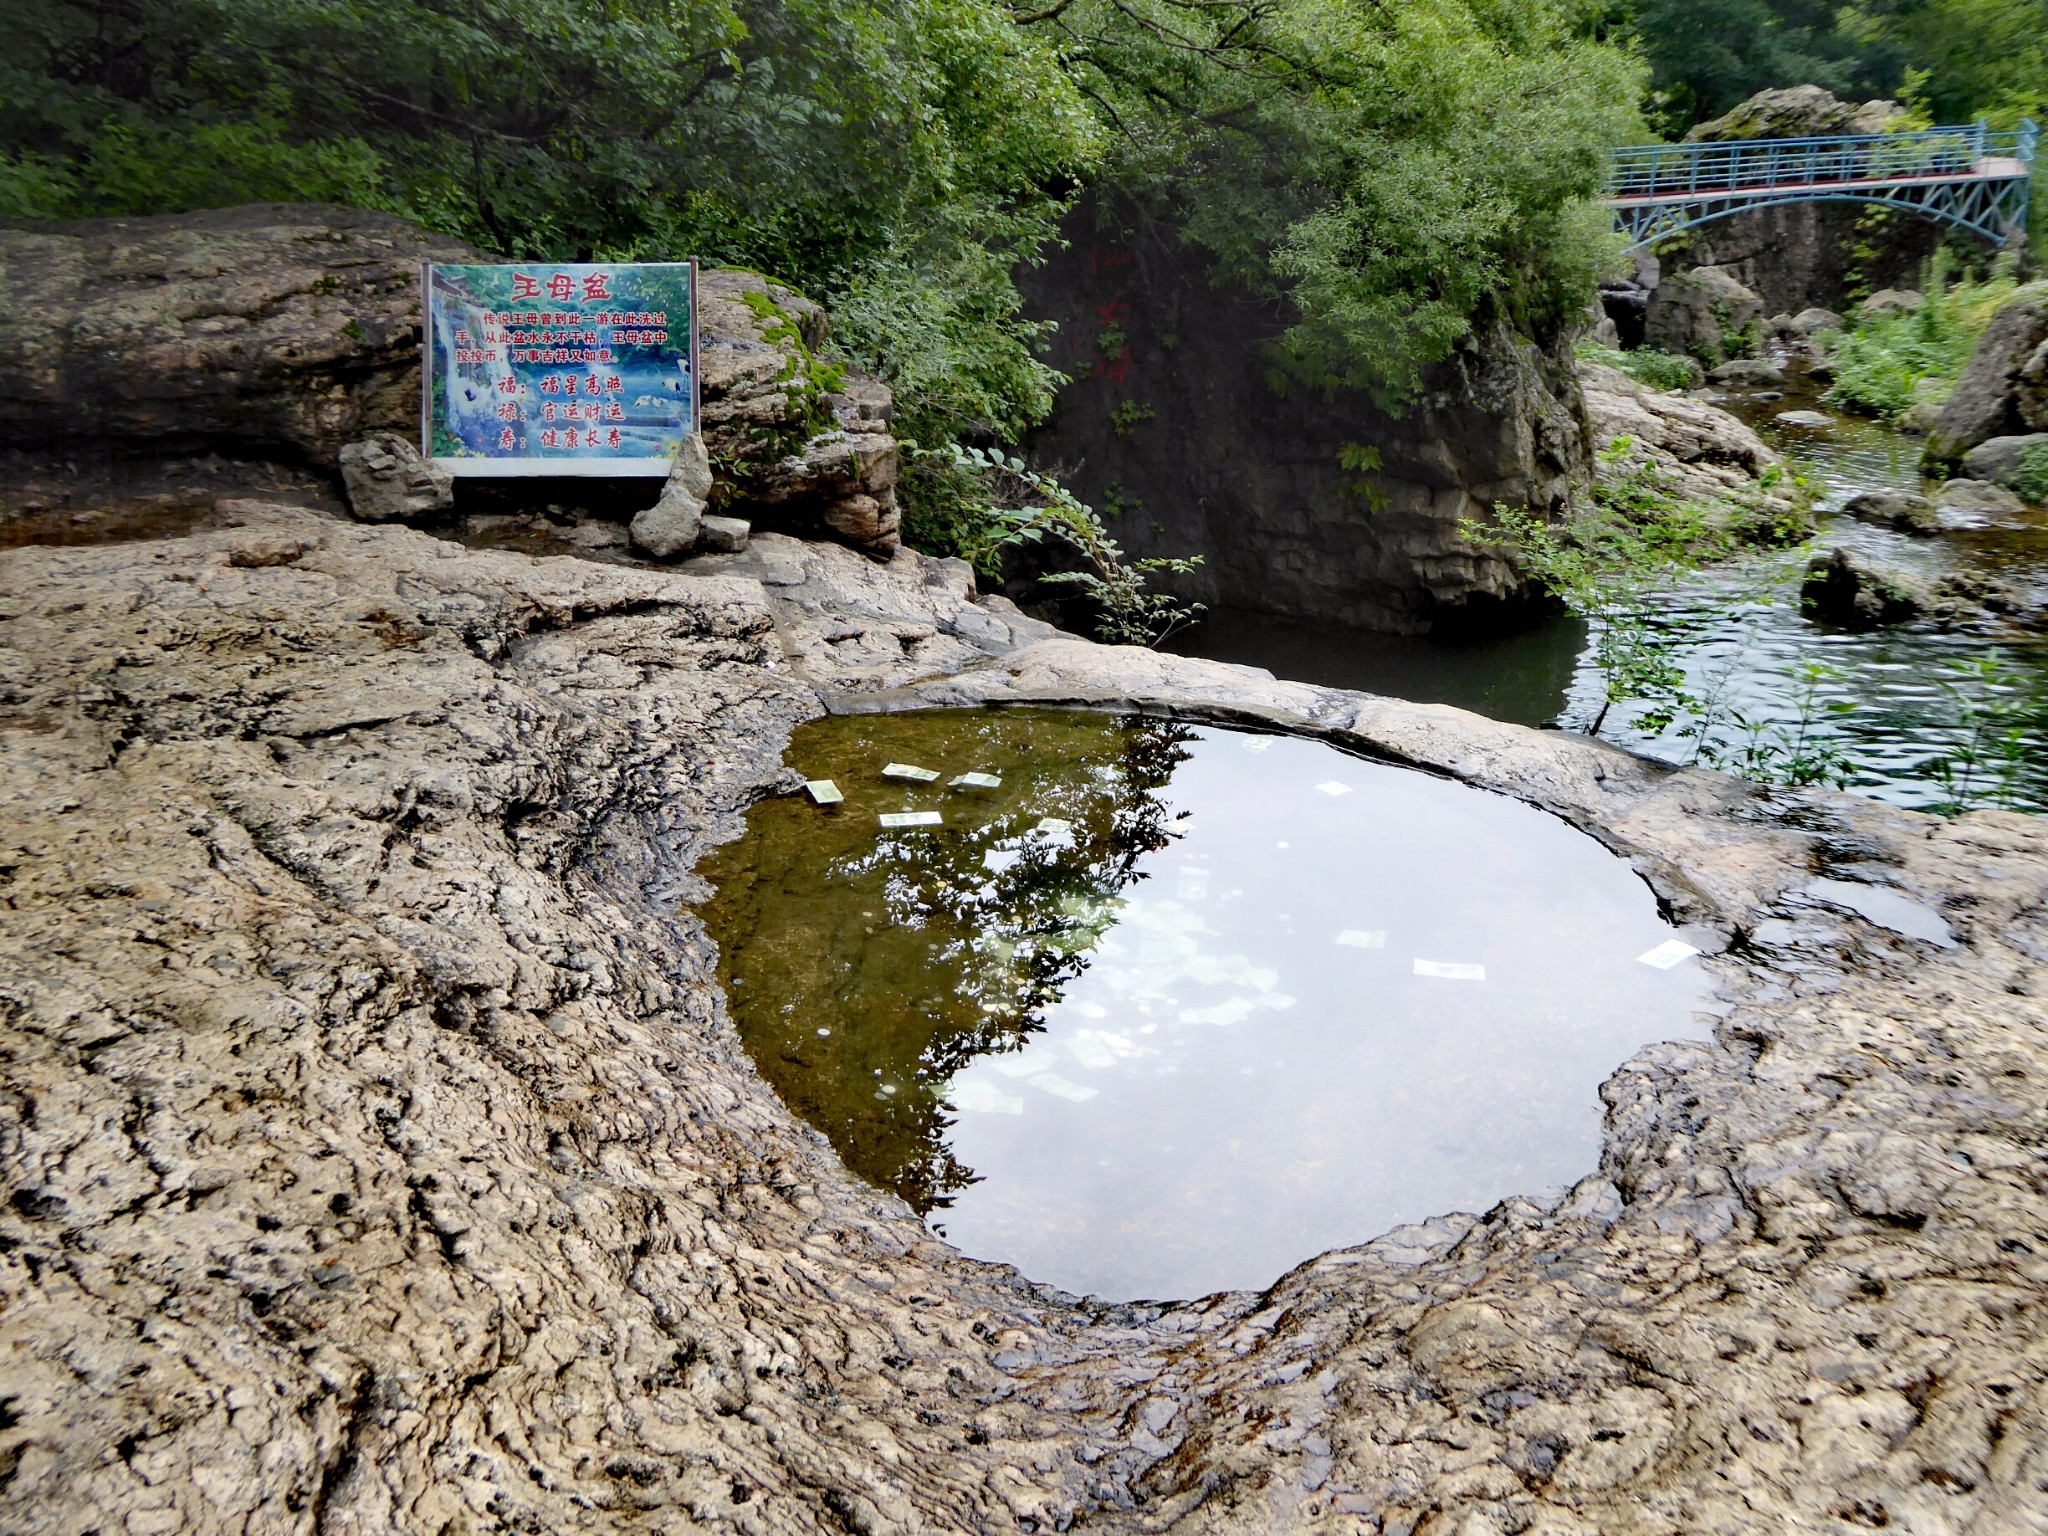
[[1970, 178]]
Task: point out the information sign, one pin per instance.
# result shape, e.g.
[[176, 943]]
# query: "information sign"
[[559, 369]]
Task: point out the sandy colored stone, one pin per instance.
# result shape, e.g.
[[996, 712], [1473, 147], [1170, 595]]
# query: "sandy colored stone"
[[379, 1155]]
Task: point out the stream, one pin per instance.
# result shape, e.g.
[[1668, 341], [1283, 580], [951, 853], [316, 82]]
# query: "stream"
[[1893, 702]]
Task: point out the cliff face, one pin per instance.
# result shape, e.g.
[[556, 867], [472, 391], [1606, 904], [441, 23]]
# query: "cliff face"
[[1172, 427]]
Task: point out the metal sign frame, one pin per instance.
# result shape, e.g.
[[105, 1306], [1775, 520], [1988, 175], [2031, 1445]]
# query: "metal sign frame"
[[556, 386]]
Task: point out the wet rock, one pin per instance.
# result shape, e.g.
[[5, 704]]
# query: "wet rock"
[[1747, 372], [1841, 589], [1902, 511], [1702, 453], [1812, 419], [1704, 312], [391, 1163], [724, 535], [2003, 390], [670, 527], [1811, 322], [278, 328], [1979, 500], [1796, 112], [1998, 459], [1890, 301], [1779, 325], [387, 481]]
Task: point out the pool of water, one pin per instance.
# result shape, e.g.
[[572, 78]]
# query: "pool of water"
[[1894, 702], [1172, 1008]]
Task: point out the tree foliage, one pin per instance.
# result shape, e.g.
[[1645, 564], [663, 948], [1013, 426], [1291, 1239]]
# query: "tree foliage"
[[1955, 59]]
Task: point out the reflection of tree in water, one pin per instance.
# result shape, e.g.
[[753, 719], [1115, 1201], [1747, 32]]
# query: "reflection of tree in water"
[[914, 952]]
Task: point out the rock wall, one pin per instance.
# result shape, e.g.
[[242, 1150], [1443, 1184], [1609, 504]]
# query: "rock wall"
[[1804, 255], [376, 1154], [2003, 390], [288, 331], [1172, 428]]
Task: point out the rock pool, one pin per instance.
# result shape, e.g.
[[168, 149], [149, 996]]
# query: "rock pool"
[[1173, 1008]]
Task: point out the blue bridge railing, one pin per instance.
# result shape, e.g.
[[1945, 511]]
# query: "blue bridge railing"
[[1970, 176]]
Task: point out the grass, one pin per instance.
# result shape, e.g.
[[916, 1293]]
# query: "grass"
[[1646, 365], [1885, 364]]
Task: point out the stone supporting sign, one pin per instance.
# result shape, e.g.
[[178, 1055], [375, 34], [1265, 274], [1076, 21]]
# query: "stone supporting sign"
[[559, 368]]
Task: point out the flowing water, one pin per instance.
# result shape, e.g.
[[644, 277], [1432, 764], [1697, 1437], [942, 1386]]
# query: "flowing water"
[[1172, 1009], [1894, 702]]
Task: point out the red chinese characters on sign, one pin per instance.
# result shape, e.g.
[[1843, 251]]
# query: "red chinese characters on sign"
[[524, 287]]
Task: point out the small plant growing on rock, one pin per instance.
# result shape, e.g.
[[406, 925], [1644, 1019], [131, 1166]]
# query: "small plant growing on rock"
[[2031, 478], [997, 504]]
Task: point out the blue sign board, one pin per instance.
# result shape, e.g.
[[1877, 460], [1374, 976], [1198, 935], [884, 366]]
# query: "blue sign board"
[[559, 368]]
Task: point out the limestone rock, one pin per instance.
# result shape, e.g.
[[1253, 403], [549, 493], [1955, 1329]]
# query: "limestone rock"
[[277, 328], [1704, 312], [1703, 453], [671, 526], [1978, 498], [1811, 322], [387, 481], [1901, 511], [1810, 419], [1998, 459], [380, 1157], [1796, 112], [1891, 301], [724, 535], [1841, 589], [1747, 372], [2003, 390]]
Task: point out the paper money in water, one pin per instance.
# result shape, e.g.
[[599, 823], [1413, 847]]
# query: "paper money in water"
[[983, 1098], [1024, 1063], [1667, 954], [1060, 1088], [1053, 826], [824, 791], [911, 818], [1333, 788], [975, 781], [1364, 938], [909, 771], [1450, 970], [1091, 1052]]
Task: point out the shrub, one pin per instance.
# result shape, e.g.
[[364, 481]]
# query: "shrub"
[[1646, 365]]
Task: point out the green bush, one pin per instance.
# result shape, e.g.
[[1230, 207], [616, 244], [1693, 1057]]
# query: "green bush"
[[2032, 479], [1880, 363], [1646, 365]]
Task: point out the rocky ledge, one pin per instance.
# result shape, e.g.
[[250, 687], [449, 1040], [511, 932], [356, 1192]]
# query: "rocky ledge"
[[379, 1156]]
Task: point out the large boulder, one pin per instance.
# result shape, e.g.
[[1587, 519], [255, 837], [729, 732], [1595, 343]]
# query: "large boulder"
[[2003, 390], [1842, 589], [1699, 453], [277, 329], [802, 444], [2001, 460], [1797, 112], [388, 481], [1706, 313], [1900, 511]]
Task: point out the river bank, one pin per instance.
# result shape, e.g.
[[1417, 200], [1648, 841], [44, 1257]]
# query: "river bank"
[[1740, 635]]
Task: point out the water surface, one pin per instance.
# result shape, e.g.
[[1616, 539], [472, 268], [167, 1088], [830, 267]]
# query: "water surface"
[[1174, 1009]]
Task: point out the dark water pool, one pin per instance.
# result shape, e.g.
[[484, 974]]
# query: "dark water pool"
[[1893, 702], [1173, 1009]]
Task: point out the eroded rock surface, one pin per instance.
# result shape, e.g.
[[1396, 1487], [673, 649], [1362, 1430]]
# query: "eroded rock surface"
[[1700, 452], [379, 1156], [281, 327]]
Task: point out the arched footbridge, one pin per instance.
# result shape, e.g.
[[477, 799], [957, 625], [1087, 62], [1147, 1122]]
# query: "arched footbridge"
[[1970, 177]]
